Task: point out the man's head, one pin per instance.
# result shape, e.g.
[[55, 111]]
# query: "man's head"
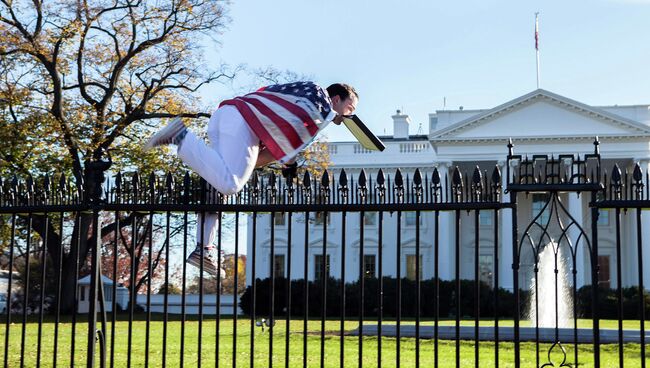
[[344, 100]]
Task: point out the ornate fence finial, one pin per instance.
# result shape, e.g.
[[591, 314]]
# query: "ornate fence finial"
[[496, 183], [254, 187], [511, 146], [362, 186], [152, 187], [381, 185], [186, 188], [306, 183], [617, 185], [435, 185], [169, 186], [325, 187], [118, 187], [14, 188], [417, 185], [135, 186], [63, 187], [596, 146], [343, 186], [398, 187], [637, 184], [29, 185], [477, 184], [457, 184]]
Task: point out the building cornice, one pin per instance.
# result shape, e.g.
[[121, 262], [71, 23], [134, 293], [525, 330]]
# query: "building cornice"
[[556, 138], [540, 94]]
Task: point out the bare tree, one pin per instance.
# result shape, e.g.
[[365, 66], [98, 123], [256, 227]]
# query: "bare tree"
[[82, 81]]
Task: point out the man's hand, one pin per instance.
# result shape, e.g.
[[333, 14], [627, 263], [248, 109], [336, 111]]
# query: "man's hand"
[[338, 119], [290, 170]]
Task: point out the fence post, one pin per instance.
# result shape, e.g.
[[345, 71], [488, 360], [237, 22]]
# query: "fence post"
[[94, 176]]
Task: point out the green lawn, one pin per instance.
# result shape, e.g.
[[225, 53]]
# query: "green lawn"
[[447, 349]]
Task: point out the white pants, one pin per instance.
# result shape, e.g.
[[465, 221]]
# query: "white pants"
[[227, 163]]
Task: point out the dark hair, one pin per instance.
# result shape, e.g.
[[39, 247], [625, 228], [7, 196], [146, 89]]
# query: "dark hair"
[[342, 90]]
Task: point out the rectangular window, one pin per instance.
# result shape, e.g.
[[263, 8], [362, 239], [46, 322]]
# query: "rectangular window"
[[369, 266], [370, 218], [603, 217], [320, 218], [604, 279], [410, 267], [539, 201], [410, 218], [485, 218], [278, 265], [603, 214], [318, 266], [486, 267], [108, 294], [279, 219]]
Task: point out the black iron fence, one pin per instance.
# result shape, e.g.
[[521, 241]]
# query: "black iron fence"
[[538, 262]]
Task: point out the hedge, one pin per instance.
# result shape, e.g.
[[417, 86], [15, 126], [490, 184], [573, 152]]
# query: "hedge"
[[607, 302]]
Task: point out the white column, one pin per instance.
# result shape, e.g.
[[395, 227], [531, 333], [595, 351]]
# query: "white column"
[[505, 236], [645, 235], [446, 229], [582, 261]]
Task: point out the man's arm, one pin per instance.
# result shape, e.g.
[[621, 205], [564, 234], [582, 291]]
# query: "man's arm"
[[264, 158]]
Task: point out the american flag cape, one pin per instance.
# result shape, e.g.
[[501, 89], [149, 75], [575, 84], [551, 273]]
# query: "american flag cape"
[[285, 117]]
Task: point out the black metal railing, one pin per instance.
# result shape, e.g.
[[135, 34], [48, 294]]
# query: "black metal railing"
[[372, 268]]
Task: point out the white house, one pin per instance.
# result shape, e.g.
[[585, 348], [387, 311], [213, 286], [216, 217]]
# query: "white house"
[[540, 122]]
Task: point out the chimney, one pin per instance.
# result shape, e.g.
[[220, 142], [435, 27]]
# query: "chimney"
[[401, 125]]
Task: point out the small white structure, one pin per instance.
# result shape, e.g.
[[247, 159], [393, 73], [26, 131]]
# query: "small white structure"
[[122, 295], [175, 304]]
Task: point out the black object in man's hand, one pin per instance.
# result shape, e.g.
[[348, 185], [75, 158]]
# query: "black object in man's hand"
[[290, 170]]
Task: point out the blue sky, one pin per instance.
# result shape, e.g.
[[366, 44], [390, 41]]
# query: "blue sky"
[[413, 55]]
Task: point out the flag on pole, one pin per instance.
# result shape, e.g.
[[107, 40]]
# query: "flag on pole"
[[536, 32]]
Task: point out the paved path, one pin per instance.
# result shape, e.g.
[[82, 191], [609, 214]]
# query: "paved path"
[[566, 335]]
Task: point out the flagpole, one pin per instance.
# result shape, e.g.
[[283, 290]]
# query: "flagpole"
[[537, 45]]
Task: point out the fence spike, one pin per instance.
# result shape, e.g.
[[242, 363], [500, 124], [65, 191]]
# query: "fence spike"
[[435, 177], [46, 183], [135, 182], [399, 180], [30, 184], [417, 178], [152, 180], [477, 178], [325, 179], [457, 177], [79, 180], [362, 179], [381, 179], [637, 174], [596, 146], [169, 183], [306, 180], [343, 179], [63, 184], [186, 187], [496, 175]]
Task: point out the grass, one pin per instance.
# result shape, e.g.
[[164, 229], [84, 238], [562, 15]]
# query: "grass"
[[209, 342]]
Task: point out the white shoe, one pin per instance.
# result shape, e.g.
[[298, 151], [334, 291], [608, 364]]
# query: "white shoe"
[[210, 259], [172, 133]]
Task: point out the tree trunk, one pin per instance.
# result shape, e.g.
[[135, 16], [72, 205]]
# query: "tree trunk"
[[70, 272]]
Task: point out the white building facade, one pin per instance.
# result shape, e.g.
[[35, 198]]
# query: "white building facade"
[[539, 123]]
